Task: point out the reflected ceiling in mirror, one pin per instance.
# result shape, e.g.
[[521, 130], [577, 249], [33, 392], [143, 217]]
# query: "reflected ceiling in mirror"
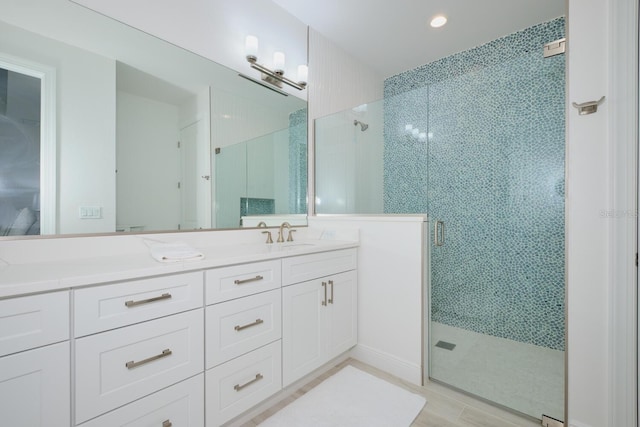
[[138, 123]]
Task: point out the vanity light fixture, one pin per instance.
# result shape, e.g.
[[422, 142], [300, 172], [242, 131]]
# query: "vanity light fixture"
[[275, 77]]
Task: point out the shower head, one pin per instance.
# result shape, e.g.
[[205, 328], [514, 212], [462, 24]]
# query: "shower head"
[[363, 126]]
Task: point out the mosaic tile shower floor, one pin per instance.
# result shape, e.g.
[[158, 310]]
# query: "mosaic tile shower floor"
[[521, 376]]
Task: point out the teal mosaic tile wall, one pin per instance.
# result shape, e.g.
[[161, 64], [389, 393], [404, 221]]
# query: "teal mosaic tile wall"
[[298, 162], [492, 168]]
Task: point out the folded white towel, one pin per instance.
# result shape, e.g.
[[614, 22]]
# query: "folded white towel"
[[174, 252]]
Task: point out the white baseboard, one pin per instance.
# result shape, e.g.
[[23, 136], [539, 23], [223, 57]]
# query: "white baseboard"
[[388, 363]]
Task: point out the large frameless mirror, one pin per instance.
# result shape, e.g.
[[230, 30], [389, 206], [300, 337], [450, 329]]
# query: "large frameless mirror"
[[129, 133]]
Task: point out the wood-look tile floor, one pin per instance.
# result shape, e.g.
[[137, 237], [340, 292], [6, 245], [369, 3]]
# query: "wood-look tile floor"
[[444, 408]]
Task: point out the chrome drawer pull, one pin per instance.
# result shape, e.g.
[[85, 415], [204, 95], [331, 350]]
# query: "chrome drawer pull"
[[132, 364], [167, 423], [331, 299], [253, 279], [324, 285], [239, 387], [147, 301], [257, 322]]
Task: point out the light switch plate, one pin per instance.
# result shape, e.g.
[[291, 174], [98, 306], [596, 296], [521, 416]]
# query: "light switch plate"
[[90, 212]]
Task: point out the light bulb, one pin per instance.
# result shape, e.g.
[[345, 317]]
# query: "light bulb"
[[408, 129], [251, 47], [415, 132], [438, 21], [303, 73], [422, 136], [278, 61]]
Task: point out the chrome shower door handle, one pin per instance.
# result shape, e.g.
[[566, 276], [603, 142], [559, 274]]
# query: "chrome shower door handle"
[[438, 233]]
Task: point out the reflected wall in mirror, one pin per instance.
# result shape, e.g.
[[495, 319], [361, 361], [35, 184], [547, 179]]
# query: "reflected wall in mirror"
[[138, 122], [268, 174]]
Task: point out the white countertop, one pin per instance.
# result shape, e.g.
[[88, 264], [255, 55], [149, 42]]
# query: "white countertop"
[[29, 278]]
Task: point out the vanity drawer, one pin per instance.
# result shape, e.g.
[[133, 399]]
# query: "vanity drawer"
[[181, 404], [241, 383], [223, 284], [33, 321], [308, 267], [115, 367], [120, 304], [239, 326]]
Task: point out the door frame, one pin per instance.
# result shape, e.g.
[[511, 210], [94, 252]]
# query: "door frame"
[[623, 134], [48, 136]]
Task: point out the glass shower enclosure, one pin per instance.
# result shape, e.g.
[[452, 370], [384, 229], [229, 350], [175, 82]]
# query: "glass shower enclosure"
[[476, 141]]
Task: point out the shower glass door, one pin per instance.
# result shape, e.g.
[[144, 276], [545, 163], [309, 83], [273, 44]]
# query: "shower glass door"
[[496, 202], [476, 141]]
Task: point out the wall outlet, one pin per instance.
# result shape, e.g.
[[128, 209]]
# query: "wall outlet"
[[90, 212]]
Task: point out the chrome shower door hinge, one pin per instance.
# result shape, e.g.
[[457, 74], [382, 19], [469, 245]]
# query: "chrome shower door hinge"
[[551, 422], [554, 48]]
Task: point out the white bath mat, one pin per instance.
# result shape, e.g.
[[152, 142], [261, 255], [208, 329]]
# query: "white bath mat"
[[350, 398]]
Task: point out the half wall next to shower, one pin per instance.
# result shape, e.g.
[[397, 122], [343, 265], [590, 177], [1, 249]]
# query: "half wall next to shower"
[[476, 141]]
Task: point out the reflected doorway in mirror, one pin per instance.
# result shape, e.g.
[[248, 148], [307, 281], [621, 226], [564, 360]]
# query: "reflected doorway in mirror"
[[27, 148]]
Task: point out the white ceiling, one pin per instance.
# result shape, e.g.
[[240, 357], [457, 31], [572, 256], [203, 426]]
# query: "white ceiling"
[[393, 36]]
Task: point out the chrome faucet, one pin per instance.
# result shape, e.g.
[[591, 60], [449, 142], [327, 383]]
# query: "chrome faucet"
[[281, 232], [262, 224]]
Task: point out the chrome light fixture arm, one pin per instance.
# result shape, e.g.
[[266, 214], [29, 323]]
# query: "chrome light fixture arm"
[[275, 77]]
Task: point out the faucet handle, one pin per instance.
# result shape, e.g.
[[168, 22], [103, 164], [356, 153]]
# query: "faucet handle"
[[269, 239], [290, 237]]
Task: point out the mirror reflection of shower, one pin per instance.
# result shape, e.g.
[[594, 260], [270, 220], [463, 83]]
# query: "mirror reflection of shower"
[[363, 126]]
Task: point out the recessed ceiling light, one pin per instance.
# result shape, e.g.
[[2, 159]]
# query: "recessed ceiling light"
[[438, 21]]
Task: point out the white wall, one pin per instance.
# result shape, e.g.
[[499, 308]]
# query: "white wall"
[[216, 29], [337, 82], [349, 162], [235, 119], [601, 213], [391, 261], [85, 126]]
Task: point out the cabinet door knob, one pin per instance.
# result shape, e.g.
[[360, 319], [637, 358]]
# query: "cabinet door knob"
[[167, 423]]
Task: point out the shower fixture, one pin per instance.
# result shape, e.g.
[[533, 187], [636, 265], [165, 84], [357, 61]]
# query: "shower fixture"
[[363, 126]]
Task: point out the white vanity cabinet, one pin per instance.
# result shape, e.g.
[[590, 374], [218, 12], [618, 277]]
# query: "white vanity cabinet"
[[134, 339], [34, 360], [319, 314], [181, 405], [193, 347], [243, 331]]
